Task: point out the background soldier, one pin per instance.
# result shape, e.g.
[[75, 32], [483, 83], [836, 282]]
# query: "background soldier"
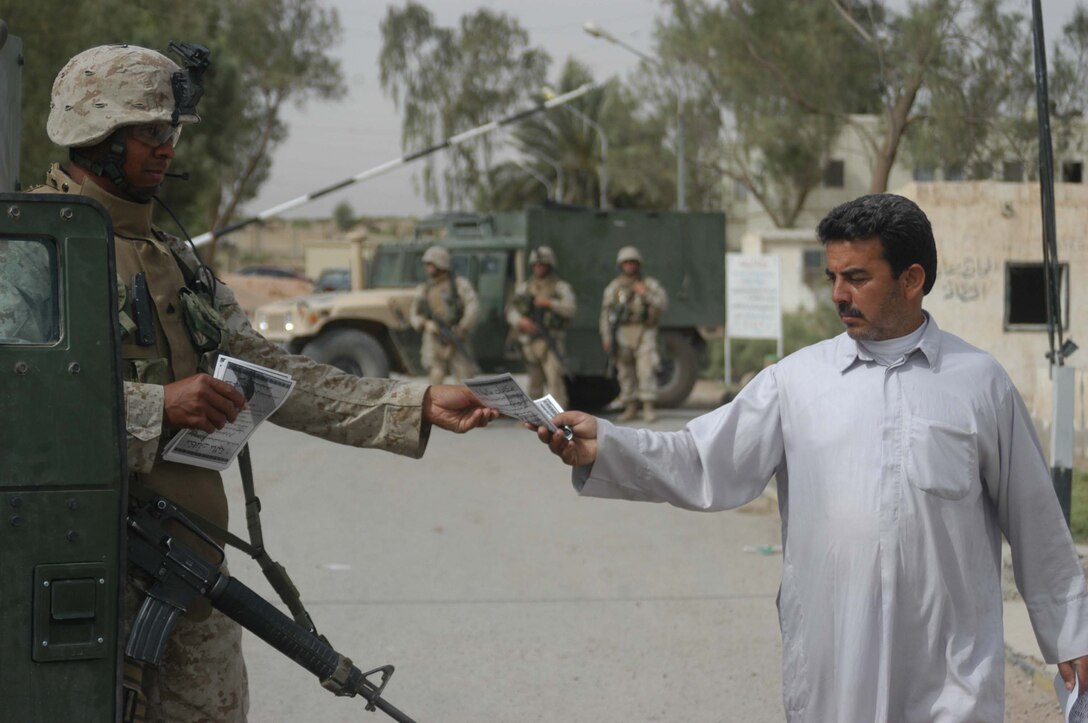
[[540, 312], [631, 308], [119, 110], [446, 310]]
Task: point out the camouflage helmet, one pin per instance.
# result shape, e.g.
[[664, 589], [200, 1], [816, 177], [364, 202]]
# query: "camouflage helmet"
[[628, 253], [543, 255], [109, 86], [438, 256]]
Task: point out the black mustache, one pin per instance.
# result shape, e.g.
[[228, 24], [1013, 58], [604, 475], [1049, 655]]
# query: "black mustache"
[[845, 310]]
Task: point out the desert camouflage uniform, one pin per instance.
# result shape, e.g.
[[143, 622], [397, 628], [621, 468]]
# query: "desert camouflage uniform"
[[541, 363], [202, 675], [636, 337], [437, 357], [27, 298]]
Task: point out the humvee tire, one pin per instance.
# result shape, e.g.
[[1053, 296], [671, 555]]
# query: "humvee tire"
[[350, 350], [678, 370]]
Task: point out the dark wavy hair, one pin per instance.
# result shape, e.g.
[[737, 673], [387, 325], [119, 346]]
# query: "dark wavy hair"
[[903, 229]]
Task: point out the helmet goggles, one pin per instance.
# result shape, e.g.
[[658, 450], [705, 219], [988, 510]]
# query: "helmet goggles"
[[156, 134]]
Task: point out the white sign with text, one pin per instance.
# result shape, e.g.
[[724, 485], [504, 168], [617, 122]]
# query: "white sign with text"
[[753, 310]]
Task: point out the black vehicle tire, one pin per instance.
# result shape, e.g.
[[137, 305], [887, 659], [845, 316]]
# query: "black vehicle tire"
[[678, 370], [350, 350], [591, 393]]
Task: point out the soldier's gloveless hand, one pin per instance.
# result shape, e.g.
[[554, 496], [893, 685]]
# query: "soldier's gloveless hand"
[[526, 325], [201, 402]]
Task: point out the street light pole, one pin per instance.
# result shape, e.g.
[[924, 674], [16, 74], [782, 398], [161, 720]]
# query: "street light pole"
[[556, 166], [602, 172], [681, 173], [602, 169]]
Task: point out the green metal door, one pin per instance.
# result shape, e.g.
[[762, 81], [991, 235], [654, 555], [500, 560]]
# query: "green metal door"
[[62, 462]]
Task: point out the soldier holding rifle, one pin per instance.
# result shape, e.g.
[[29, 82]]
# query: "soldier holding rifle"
[[120, 110], [630, 311], [446, 310], [540, 312]]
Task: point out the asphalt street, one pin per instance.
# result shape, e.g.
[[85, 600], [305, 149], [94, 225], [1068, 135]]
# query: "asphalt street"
[[500, 595]]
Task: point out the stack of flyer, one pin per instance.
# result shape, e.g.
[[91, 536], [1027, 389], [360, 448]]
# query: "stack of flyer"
[[264, 389], [502, 392]]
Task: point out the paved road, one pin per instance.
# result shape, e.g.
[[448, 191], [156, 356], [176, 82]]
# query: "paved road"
[[502, 596]]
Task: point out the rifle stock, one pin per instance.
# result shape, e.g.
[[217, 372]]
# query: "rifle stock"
[[181, 574]]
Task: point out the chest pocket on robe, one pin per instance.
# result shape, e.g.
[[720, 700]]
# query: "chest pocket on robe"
[[942, 458]]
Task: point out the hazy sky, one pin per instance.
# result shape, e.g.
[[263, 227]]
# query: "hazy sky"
[[329, 142]]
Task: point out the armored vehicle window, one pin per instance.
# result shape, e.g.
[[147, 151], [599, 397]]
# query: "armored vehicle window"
[[29, 300], [465, 267], [416, 273]]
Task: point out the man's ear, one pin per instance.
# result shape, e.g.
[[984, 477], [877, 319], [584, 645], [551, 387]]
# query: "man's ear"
[[913, 279]]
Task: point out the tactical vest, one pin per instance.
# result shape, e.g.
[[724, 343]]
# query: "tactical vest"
[[442, 300], [629, 307], [547, 288], [172, 355]]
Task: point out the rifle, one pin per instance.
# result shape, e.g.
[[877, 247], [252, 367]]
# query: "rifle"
[[180, 573], [448, 337], [537, 315], [617, 314]]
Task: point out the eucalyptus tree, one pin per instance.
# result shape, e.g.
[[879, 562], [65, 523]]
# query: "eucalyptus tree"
[[265, 53], [447, 80]]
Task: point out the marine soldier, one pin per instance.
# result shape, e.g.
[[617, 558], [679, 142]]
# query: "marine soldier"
[[540, 312], [120, 111], [630, 311], [446, 310]]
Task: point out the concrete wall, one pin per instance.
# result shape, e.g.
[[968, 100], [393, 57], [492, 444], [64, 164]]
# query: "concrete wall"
[[979, 227]]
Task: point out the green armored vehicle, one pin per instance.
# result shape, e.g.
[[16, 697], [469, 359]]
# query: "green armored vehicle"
[[366, 332]]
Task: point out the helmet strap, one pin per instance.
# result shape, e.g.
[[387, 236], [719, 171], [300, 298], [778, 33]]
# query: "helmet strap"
[[112, 167]]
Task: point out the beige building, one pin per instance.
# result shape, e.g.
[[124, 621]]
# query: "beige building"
[[990, 281]]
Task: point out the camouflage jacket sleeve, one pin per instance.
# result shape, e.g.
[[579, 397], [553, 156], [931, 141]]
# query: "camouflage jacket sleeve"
[[606, 301], [326, 402], [143, 424], [471, 317], [656, 296], [513, 316], [565, 305]]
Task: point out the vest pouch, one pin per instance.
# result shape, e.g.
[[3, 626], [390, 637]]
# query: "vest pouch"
[[207, 327], [149, 371]]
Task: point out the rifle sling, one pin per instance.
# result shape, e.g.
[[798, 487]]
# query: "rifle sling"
[[275, 572]]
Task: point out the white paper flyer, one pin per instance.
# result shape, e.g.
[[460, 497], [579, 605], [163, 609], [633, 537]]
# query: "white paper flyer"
[[264, 389]]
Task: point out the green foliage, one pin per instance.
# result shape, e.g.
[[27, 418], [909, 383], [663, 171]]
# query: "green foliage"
[[640, 171], [1078, 515], [799, 329], [343, 216], [770, 68], [265, 53], [448, 80]]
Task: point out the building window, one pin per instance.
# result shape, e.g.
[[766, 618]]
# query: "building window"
[[924, 173], [1072, 172], [953, 173], [835, 174], [1025, 296], [1012, 171], [813, 266], [982, 170]]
